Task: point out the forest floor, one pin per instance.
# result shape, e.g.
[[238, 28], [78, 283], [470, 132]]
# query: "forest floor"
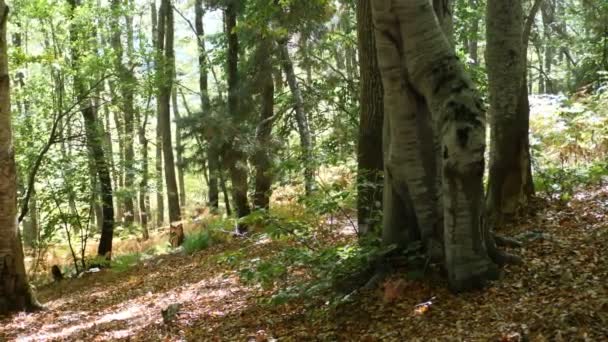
[[560, 294]]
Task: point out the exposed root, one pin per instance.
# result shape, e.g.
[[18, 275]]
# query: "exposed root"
[[503, 241]]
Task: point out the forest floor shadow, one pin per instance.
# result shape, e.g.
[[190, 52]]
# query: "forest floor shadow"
[[560, 293]]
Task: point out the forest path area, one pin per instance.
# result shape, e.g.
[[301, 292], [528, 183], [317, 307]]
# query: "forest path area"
[[560, 294]]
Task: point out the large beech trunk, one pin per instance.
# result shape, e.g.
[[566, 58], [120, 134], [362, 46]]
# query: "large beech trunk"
[[423, 79]]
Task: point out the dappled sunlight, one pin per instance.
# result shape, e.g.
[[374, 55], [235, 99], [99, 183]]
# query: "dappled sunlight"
[[148, 293]]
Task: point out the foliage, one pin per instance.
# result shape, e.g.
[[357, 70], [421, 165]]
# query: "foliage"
[[212, 234]]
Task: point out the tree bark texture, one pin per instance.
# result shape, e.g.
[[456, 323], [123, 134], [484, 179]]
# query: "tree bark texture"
[[212, 150], [158, 161], [415, 53], [262, 158], [506, 63], [165, 84], [369, 149], [179, 150], [15, 293], [235, 158]]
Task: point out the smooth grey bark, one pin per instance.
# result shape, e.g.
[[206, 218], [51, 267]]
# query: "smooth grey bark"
[[301, 117], [165, 76], [506, 62], [15, 292], [179, 150], [369, 147], [414, 51]]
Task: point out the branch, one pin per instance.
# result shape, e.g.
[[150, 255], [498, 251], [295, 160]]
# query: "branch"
[[50, 142], [529, 21], [201, 45]]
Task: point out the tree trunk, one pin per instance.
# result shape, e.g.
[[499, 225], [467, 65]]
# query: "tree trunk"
[[225, 192], [158, 162], [126, 86], [235, 157], [301, 117], [94, 144], [262, 158], [212, 152], [506, 61], [144, 198], [179, 150], [165, 75], [548, 15], [413, 51], [474, 39], [369, 152], [15, 293]]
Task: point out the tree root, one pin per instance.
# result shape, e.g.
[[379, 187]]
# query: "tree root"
[[503, 241]]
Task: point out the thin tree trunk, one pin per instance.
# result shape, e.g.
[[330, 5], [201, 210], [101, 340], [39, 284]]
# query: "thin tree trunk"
[[95, 145], [548, 15], [262, 159], [158, 166], [179, 150], [301, 117], [225, 192], [212, 153], [165, 84], [474, 40], [369, 149], [126, 86], [234, 158], [144, 198]]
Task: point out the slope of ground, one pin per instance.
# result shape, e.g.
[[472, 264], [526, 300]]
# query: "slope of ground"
[[560, 294]]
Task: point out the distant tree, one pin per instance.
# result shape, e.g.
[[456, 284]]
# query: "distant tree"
[[234, 155], [93, 137], [158, 162], [262, 158], [212, 150], [126, 98], [165, 76]]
